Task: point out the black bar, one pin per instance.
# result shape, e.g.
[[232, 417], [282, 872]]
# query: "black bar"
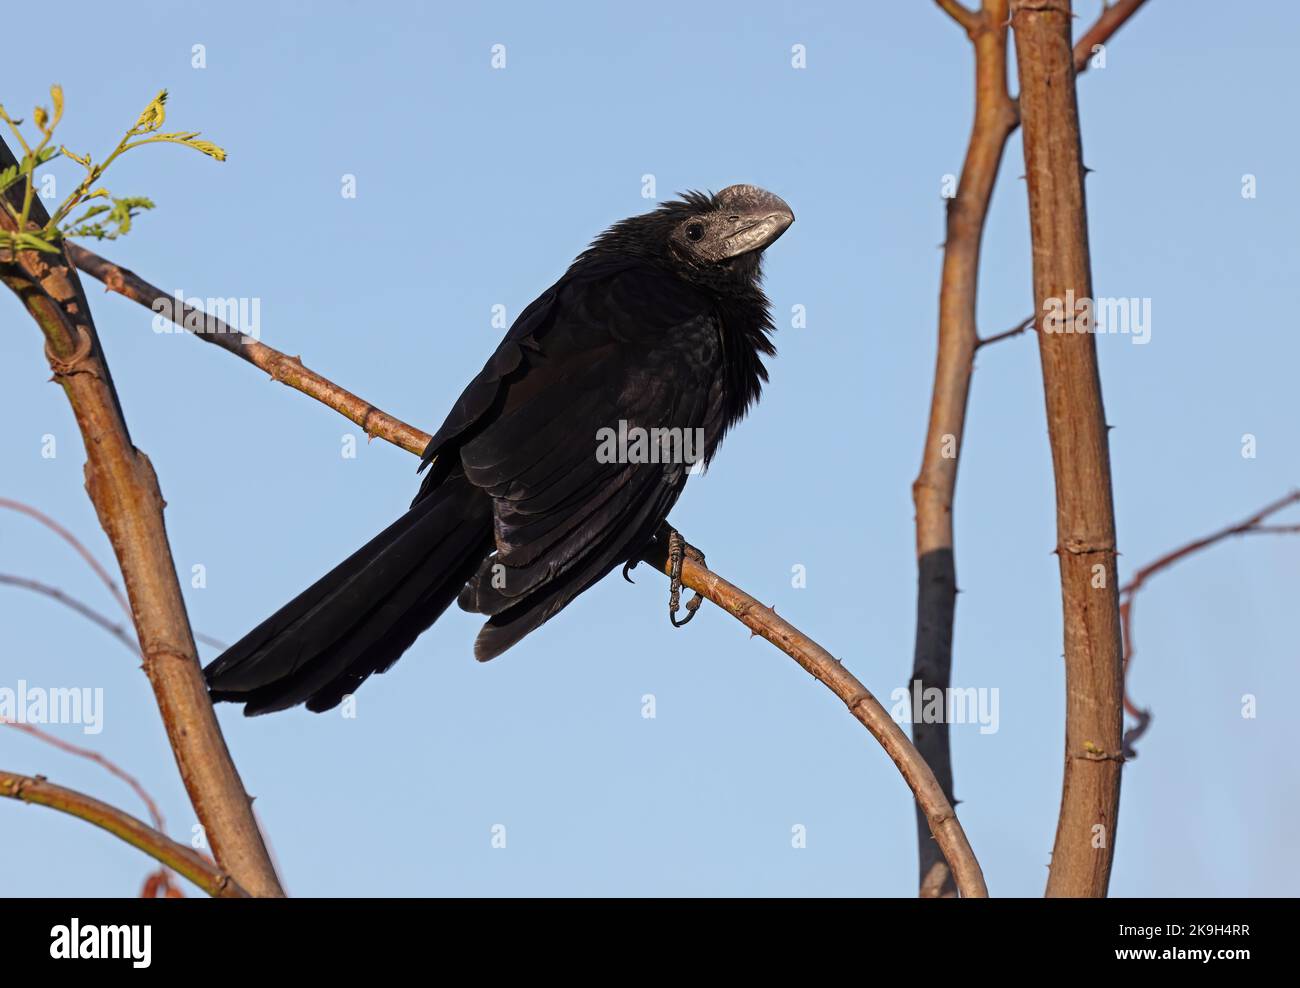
[[617, 938]]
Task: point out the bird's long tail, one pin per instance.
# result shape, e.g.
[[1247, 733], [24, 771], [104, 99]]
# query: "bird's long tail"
[[361, 616]]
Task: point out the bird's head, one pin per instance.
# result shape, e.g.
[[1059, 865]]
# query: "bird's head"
[[714, 240]]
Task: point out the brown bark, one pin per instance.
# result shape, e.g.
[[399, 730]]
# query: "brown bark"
[[996, 118], [1054, 170], [935, 486], [124, 490], [932, 802], [1113, 16], [181, 859]]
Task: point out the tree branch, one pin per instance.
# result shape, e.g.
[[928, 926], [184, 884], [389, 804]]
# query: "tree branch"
[[124, 490], [72, 540], [99, 571], [1076, 425], [155, 814], [933, 803], [157, 883], [1113, 17], [968, 19], [283, 368], [935, 486], [996, 118], [118, 631], [937, 809], [1025, 324], [181, 859], [1249, 526]]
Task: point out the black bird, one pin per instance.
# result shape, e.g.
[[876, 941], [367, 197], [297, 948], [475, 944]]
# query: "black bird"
[[660, 324]]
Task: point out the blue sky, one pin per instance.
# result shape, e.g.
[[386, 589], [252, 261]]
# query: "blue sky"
[[476, 187]]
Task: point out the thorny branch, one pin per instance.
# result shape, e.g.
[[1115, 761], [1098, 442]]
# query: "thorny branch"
[[181, 859], [109, 766], [283, 368], [124, 489], [1084, 848], [997, 116], [933, 491], [158, 884]]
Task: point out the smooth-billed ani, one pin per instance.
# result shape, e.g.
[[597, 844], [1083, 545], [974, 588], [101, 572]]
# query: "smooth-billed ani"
[[660, 324]]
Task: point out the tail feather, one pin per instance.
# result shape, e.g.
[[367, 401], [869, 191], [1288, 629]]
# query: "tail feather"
[[520, 616], [361, 616]]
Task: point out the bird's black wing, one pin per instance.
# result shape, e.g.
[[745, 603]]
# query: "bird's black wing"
[[621, 345]]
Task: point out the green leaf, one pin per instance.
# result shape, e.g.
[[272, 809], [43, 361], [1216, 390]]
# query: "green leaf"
[[153, 116], [208, 148], [30, 241], [31, 162], [95, 230]]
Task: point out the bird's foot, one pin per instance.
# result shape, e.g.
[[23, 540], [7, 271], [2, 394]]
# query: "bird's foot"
[[680, 550]]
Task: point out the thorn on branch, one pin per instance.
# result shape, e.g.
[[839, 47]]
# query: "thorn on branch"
[[1094, 753]]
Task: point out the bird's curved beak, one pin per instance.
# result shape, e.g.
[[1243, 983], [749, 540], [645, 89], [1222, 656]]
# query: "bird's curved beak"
[[757, 217]]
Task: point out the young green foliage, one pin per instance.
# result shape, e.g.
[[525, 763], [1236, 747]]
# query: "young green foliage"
[[104, 220]]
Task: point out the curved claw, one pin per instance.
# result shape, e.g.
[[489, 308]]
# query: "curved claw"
[[678, 549], [628, 567], [692, 606]]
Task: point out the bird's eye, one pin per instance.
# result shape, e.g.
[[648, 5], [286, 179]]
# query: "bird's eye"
[[695, 231]]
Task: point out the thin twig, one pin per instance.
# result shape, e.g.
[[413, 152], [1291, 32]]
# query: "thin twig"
[[157, 883], [216, 643], [99, 570], [181, 859], [1113, 17], [118, 631], [1247, 526], [112, 768], [76, 544], [1016, 330]]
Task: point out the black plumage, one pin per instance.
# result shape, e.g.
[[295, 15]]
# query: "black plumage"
[[660, 324]]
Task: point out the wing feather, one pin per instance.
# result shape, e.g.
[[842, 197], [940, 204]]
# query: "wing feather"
[[635, 347]]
